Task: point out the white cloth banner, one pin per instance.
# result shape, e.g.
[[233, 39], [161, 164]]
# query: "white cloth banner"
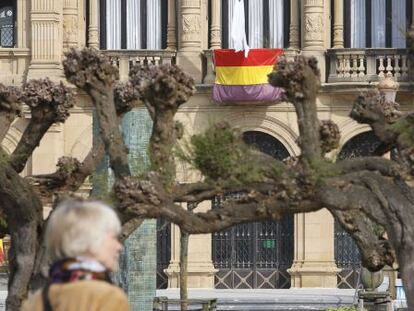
[[238, 33]]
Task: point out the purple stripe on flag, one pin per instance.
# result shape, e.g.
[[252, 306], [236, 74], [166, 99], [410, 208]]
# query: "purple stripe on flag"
[[242, 93]]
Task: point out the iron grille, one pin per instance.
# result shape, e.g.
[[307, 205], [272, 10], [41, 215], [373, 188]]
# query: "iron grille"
[[254, 255], [163, 252], [347, 255], [7, 26]]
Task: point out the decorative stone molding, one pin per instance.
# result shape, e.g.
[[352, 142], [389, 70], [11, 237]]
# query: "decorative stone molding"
[[47, 28], [255, 121], [70, 24], [190, 25], [294, 39], [314, 26]]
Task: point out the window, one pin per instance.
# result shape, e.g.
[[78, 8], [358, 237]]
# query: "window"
[[133, 24], [267, 23], [7, 13], [376, 23]]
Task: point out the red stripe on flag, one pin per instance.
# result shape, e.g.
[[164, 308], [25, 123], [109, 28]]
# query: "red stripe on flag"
[[257, 57]]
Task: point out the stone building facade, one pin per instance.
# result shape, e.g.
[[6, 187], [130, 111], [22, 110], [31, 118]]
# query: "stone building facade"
[[357, 43]]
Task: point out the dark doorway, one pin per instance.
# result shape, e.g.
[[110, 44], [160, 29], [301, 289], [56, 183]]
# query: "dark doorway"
[[255, 255]]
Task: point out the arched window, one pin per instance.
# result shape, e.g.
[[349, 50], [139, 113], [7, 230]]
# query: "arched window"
[[267, 23], [376, 23], [133, 24], [7, 13]]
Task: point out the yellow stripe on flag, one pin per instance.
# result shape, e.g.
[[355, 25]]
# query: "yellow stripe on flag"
[[242, 75]]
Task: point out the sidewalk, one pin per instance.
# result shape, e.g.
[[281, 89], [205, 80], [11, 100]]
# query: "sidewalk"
[[270, 299]]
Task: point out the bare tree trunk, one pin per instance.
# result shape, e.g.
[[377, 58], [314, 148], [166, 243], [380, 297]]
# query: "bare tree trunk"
[[24, 215], [184, 237], [21, 262]]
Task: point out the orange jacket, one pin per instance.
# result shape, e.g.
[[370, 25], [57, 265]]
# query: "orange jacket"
[[80, 296]]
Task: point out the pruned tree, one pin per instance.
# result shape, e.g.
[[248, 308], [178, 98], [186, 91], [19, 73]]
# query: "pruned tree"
[[370, 197]]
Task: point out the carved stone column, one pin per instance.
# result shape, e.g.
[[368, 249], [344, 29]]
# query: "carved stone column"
[[294, 25], [191, 36], [70, 24], [190, 25], [215, 30], [313, 25], [93, 29], [46, 39], [316, 31], [338, 27], [314, 262]]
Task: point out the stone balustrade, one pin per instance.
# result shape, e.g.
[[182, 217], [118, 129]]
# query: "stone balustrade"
[[13, 65], [366, 65], [125, 59]]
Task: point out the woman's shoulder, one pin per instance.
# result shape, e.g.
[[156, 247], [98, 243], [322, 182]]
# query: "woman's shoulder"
[[100, 288], [102, 295], [105, 296]]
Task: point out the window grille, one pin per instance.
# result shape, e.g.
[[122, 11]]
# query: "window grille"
[[7, 26]]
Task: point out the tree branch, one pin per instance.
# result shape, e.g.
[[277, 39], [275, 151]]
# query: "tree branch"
[[93, 72], [10, 108], [164, 89], [300, 79], [49, 103]]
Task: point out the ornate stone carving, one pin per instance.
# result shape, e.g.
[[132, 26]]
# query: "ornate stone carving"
[[314, 26], [191, 24], [294, 37], [338, 40], [70, 27]]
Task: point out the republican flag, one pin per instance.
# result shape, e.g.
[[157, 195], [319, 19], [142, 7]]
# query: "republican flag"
[[244, 79]]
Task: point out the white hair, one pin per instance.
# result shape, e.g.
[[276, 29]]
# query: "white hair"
[[78, 228]]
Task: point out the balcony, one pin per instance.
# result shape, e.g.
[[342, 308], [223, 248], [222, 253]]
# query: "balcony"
[[367, 65], [14, 63], [125, 59]]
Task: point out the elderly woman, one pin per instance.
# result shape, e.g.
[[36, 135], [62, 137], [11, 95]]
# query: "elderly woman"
[[81, 237]]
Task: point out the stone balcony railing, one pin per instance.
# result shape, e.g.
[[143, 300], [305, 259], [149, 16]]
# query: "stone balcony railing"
[[125, 59], [366, 65], [14, 63]]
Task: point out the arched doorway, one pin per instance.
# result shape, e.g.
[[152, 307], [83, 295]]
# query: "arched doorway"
[[347, 256], [255, 255]]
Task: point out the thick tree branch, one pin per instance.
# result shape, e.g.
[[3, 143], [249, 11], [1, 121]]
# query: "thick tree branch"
[[93, 72], [164, 89], [10, 108], [382, 165], [300, 79], [49, 103]]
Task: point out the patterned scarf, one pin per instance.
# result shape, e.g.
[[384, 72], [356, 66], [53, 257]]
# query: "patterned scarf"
[[77, 269]]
